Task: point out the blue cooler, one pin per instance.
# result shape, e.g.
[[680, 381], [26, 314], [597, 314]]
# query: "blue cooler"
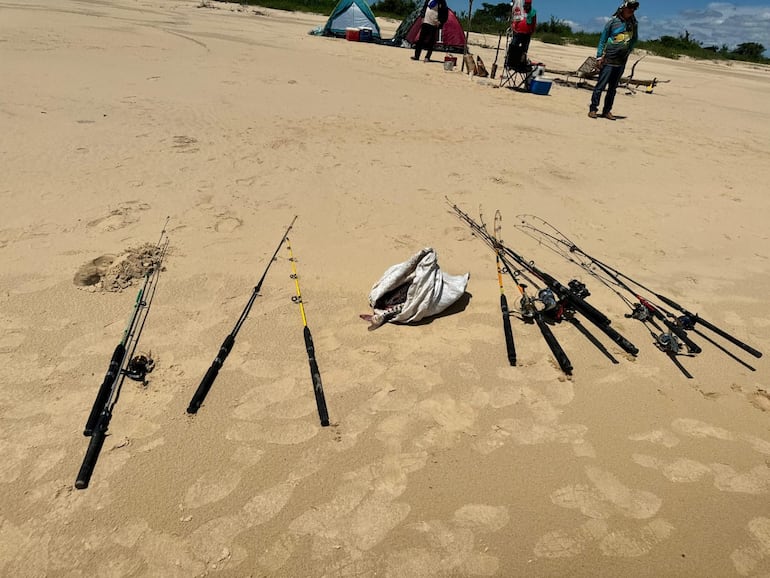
[[540, 85], [365, 35]]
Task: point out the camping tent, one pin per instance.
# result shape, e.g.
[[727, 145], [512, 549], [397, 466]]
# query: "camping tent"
[[451, 36], [351, 14]]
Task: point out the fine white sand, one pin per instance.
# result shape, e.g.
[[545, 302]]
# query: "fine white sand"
[[442, 460]]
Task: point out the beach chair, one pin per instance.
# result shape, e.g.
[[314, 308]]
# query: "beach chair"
[[517, 68], [585, 71]]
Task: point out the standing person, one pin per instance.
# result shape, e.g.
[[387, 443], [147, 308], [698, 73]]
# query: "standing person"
[[615, 45], [523, 23], [428, 30]]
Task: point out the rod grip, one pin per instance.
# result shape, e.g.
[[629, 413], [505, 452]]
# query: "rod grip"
[[727, 336], [211, 375], [624, 343], [696, 319], [315, 374], [113, 371], [509, 344], [589, 311], [556, 349], [92, 455]]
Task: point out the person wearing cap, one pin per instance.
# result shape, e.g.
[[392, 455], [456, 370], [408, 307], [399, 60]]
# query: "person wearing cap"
[[615, 45]]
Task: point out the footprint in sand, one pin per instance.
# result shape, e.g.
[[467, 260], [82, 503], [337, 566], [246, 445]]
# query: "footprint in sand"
[[754, 558], [92, 272], [606, 499], [119, 218], [227, 224], [684, 470], [453, 548], [211, 488]]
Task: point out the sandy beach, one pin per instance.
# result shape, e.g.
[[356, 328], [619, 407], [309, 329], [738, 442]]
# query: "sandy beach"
[[441, 459]]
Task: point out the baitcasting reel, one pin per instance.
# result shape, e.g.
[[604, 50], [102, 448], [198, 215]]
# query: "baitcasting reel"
[[139, 366], [579, 289], [687, 322]]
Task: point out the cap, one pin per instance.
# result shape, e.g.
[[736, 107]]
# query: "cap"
[[633, 4]]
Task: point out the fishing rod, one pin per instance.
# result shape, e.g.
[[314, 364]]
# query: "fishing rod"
[[98, 421], [567, 315], [529, 311], [644, 310], [572, 297], [315, 374], [687, 320], [227, 344], [510, 347]]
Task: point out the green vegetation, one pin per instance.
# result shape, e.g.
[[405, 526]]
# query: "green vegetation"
[[493, 19]]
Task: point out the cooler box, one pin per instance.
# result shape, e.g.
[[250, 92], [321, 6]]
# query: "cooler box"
[[365, 35], [540, 85], [352, 34]]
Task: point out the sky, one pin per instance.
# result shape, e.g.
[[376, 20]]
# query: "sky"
[[711, 23]]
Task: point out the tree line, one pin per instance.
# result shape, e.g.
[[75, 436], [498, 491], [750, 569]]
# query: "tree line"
[[493, 19]]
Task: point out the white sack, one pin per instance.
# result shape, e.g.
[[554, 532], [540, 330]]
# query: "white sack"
[[428, 290]]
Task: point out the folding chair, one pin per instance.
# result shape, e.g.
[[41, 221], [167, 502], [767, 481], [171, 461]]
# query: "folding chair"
[[587, 70], [517, 69]]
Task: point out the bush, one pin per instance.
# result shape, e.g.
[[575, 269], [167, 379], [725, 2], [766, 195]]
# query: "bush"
[[552, 38]]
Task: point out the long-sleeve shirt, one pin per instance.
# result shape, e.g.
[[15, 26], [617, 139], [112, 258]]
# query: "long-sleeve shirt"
[[618, 40]]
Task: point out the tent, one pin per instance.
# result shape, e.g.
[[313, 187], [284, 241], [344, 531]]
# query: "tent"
[[351, 14], [451, 36]]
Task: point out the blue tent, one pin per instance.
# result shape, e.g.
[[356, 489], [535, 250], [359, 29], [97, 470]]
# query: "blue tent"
[[351, 14]]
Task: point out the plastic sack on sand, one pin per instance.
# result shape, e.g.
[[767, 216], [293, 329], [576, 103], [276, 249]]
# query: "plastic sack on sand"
[[413, 290]]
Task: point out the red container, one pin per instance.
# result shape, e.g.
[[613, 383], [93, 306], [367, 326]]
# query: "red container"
[[352, 34]]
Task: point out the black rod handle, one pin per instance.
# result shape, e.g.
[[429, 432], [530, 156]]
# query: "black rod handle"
[[211, 375], [624, 343], [315, 374], [509, 344], [589, 311], [734, 340], [697, 319], [105, 388], [92, 454], [556, 349]]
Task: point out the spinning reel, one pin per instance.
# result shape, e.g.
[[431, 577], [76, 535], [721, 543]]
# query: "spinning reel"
[[668, 342], [139, 366], [639, 312]]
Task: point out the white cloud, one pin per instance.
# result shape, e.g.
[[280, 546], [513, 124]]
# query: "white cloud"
[[719, 23]]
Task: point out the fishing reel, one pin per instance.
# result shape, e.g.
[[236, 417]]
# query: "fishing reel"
[[640, 312], [668, 342], [139, 366], [687, 322], [527, 308], [579, 289], [547, 298]]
